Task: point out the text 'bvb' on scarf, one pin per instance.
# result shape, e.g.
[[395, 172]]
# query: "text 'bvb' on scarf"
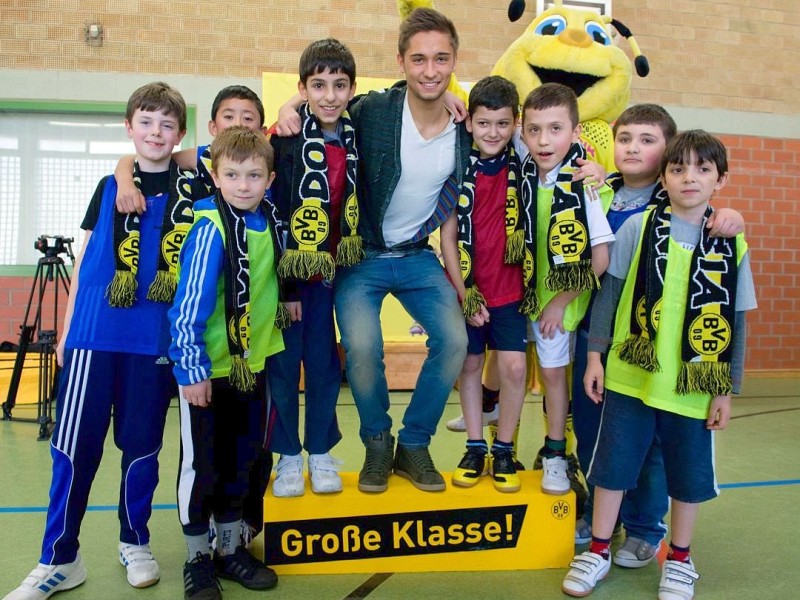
[[706, 341], [178, 217], [569, 249], [308, 251], [514, 243]]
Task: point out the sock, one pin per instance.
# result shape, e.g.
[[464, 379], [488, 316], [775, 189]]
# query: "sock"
[[228, 537], [499, 446], [479, 444], [600, 546], [490, 399], [554, 447], [197, 543], [677, 553]]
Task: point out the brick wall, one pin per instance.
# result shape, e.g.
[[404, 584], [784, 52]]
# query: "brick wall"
[[765, 178], [732, 54]]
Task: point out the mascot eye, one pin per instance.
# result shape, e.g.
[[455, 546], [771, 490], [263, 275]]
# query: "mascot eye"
[[551, 26], [598, 33]]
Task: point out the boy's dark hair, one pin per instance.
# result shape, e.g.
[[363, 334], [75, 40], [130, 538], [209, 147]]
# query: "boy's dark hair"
[[494, 92], [238, 144], [328, 54], [158, 96], [422, 20], [240, 92], [648, 114], [550, 95], [704, 146]]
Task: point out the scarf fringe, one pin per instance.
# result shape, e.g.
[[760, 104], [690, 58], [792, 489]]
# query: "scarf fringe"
[[473, 299], [350, 251], [573, 277], [712, 378], [163, 287], [515, 247], [303, 264], [283, 320], [121, 291], [530, 304], [640, 351], [241, 377]]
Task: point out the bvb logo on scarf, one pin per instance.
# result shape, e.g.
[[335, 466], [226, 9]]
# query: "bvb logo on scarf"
[[308, 251], [514, 245], [178, 217], [709, 312]]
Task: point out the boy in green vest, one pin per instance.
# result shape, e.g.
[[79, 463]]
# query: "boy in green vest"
[[677, 298], [223, 329]]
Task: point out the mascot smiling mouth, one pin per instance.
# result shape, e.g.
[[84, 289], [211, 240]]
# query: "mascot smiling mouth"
[[579, 82]]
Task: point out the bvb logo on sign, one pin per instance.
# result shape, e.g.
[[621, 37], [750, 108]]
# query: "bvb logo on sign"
[[465, 261], [129, 251], [710, 334], [567, 238], [560, 510], [309, 225], [641, 311]]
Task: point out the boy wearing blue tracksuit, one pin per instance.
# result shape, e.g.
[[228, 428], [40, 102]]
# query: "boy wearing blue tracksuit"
[[114, 351]]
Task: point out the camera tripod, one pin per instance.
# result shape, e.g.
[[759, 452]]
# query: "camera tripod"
[[50, 268]]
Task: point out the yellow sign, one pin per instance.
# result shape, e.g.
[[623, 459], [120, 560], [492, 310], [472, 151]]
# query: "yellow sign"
[[407, 530]]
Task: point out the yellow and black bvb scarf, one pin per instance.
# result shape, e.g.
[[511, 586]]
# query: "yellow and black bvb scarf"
[[569, 250], [307, 245], [236, 273], [466, 242], [177, 220], [706, 345], [615, 181]]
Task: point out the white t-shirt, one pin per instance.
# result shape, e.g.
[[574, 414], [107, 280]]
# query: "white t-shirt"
[[426, 165]]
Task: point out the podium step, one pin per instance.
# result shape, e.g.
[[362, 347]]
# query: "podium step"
[[408, 530]]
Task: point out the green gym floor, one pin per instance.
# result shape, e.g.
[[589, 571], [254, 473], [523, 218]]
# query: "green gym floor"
[[743, 546]]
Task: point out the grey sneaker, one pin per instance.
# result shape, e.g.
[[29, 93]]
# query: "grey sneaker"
[[635, 553], [416, 465], [374, 475]]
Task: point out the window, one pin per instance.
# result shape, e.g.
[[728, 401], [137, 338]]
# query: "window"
[[50, 164]]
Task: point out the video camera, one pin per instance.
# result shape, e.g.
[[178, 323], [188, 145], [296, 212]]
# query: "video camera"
[[60, 245]]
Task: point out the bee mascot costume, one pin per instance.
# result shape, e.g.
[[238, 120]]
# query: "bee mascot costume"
[[573, 47]]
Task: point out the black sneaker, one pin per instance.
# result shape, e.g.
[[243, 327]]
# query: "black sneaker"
[[199, 582], [245, 569], [374, 475], [416, 465], [504, 472], [471, 468]]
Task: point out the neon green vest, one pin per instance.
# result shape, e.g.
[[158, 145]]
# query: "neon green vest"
[[265, 339], [658, 389], [577, 308]]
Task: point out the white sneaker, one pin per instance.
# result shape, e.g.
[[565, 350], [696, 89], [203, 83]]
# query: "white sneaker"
[[46, 580], [585, 571], [554, 477], [677, 580], [138, 561], [289, 481], [457, 424], [323, 470]]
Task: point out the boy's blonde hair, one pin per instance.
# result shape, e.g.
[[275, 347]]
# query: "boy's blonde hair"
[[158, 96], [238, 144]]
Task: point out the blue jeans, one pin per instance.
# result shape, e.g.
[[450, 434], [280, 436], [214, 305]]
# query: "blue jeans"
[[643, 508], [417, 280], [312, 341]]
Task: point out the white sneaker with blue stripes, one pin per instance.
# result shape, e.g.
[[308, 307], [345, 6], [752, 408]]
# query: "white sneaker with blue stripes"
[[46, 580]]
